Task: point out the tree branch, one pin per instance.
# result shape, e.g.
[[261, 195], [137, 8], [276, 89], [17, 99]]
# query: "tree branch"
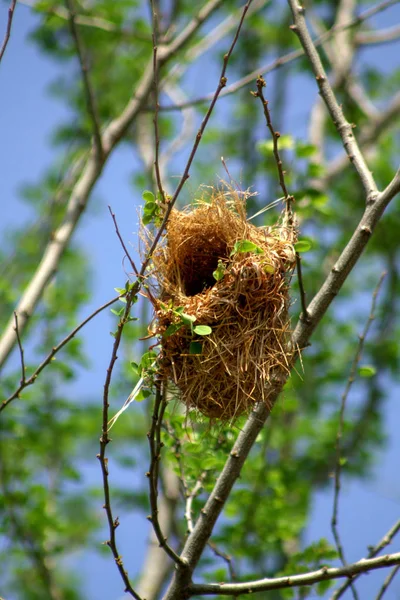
[[89, 94], [291, 581], [350, 381], [344, 128], [8, 30], [385, 541], [91, 172]]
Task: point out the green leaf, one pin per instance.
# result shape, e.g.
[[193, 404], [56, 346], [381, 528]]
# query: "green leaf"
[[148, 196], [195, 348], [305, 150], [117, 312], [146, 219], [303, 246], [366, 371], [135, 367], [219, 272], [150, 207], [187, 319], [173, 328], [202, 330], [246, 246], [269, 269]]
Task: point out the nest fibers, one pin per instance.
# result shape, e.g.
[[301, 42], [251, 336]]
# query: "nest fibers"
[[217, 270]]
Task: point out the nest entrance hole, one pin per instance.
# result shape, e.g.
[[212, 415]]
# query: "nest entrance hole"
[[198, 260]]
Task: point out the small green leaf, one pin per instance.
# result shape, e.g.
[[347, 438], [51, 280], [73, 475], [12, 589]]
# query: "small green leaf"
[[269, 269], [146, 219], [305, 150], [135, 367], [342, 461], [303, 246], [219, 272], [173, 328], [150, 207], [118, 312], [187, 319], [246, 246], [366, 371], [148, 196], [202, 330], [195, 348]]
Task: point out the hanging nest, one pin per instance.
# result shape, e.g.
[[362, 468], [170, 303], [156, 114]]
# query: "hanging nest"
[[218, 274]]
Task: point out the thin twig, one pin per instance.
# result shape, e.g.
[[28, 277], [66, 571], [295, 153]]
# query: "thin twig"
[[104, 441], [21, 351], [338, 463], [185, 176], [275, 137], [154, 437], [49, 358], [8, 30], [373, 551], [89, 94], [303, 300], [282, 60], [344, 129], [156, 105], [122, 241], [387, 582]]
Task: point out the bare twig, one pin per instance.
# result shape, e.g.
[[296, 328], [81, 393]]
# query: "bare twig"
[[387, 582], [303, 300], [50, 357], [344, 128], [104, 441], [291, 581], [282, 60], [373, 551], [381, 36], [155, 443], [157, 106], [122, 242], [185, 176], [338, 463], [89, 94], [8, 30], [275, 137], [21, 351]]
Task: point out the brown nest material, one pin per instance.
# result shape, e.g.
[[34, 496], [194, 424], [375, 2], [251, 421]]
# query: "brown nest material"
[[223, 374]]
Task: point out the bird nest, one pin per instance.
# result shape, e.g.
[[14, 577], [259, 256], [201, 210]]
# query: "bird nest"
[[221, 305]]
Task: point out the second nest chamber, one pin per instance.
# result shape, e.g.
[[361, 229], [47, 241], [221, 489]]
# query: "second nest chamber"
[[221, 304]]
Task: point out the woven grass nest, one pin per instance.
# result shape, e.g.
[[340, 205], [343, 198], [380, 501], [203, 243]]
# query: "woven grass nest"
[[217, 270]]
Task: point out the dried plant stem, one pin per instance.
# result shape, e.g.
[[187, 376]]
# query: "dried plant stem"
[[303, 299], [21, 351], [338, 463]]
